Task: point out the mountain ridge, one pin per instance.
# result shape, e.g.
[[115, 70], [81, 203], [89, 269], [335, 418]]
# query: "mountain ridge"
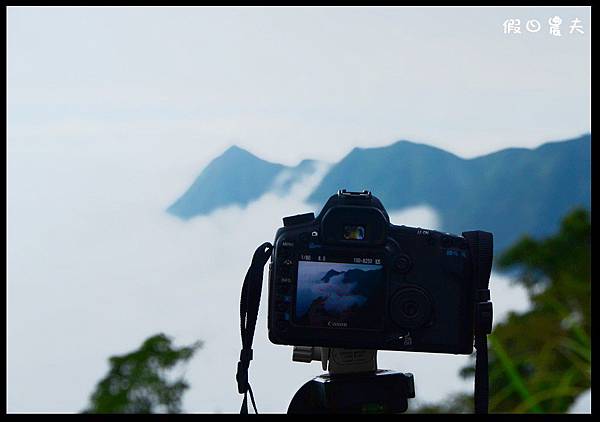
[[509, 192]]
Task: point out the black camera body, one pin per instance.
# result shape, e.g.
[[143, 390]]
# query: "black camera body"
[[350, 279]]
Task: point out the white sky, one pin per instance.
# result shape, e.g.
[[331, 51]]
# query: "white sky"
[[291, 83], [113, 112]]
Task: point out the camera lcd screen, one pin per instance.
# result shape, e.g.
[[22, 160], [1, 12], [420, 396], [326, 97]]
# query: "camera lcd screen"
[[340, 295]]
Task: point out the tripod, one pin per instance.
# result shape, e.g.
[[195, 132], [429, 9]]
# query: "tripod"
[[353, 384]]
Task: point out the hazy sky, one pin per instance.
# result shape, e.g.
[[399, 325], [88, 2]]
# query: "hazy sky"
[[288, 83], [112, 113]]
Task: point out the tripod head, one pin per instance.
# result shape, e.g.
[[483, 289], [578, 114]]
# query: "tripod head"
[[338, 361], [353, 383]]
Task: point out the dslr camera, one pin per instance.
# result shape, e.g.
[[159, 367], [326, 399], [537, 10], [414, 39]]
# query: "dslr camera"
[[350, 279]]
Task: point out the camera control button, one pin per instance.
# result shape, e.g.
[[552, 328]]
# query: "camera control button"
[[284, 252], [285, 271], [402, 263], [411, 308], [447, 241], [298, 219], [430, 240]]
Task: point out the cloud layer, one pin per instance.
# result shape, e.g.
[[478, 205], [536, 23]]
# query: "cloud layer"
[[95, 266]]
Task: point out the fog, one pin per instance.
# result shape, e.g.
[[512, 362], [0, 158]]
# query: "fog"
[[95, 266]]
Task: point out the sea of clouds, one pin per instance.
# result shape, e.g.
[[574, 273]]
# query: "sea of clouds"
[[96, 265]]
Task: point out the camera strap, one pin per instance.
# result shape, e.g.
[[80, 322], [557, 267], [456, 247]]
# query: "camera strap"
[[249, 303], [481, 249]]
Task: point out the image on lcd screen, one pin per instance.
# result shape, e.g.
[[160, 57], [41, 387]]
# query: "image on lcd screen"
[[340, 295]]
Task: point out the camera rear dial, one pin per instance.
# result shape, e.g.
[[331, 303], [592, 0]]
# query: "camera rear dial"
[[411, 307]]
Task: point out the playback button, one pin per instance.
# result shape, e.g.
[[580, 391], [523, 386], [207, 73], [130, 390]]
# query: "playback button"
[[285, 274], [402, 263]]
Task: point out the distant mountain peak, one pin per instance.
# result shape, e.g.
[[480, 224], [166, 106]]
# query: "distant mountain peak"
[[408, 142], [402, 145], [412, 145], [329, 274], [235, 150], [236, 177]]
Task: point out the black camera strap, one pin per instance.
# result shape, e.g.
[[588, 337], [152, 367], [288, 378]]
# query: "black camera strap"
[[481, 247], [249, 302]]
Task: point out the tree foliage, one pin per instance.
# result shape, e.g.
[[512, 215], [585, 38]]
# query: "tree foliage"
[[540, 360], [138, 382]]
